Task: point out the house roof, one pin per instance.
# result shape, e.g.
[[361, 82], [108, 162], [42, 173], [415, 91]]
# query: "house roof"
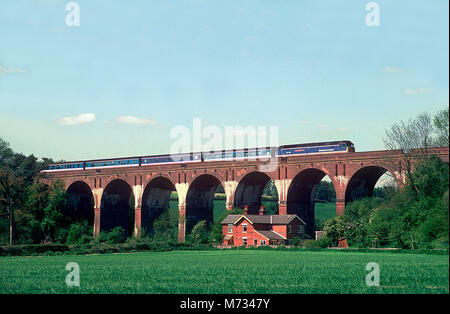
[[270, 235], [262, 219]]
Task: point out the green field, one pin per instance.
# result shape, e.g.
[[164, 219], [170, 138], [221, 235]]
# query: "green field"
[[228, 271], [324, 211]]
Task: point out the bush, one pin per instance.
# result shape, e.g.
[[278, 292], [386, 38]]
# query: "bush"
[[199, 233], [336, 228], [102, 237], [77, 234], [60, 235], [117, 235], [85, 239], [165, 227], [323, 242], [33, 249], [216, 234]]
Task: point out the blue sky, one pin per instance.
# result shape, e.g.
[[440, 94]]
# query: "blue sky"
[[140, 68]]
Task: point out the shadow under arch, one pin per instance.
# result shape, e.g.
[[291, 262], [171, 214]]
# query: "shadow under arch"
[[80, 203], [363, 182], [200, 200], [300, 197], [117, 207], [249, 191], [155, 200]]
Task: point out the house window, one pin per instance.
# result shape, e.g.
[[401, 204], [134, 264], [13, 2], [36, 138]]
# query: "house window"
[[289, 229], [255, 242], [299, 229], [230, 228], [244, 227], [291, 242], [263, 242], [244, 241]]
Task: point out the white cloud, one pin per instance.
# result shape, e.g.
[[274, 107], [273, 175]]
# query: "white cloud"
[[4, 70], [82, 118], [390, 69], [417, 91], [135, 120]]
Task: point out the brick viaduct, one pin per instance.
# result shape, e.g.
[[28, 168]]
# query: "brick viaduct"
[[108, 190]]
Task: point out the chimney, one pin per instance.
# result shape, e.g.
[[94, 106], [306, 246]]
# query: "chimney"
[[262, 211], [245, 209]]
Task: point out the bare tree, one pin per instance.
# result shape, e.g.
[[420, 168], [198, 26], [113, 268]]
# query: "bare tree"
[[441, 127], [413, 137], [417, 133]]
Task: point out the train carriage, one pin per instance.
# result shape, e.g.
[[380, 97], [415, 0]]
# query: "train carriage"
[[316, 148], [130, 162], [65, 166], [171, 159], [238, 154]]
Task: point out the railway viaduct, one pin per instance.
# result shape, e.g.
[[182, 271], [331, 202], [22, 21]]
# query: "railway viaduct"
[[109, 190]]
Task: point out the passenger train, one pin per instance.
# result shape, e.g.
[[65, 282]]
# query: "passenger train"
[[224, 155]]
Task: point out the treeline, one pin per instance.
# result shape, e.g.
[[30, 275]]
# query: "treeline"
[[30, 212]]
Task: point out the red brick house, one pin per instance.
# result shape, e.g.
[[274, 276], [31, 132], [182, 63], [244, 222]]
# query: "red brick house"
[[257, 230]]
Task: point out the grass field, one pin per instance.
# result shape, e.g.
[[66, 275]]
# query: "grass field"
[[324, 210], [228, 271]]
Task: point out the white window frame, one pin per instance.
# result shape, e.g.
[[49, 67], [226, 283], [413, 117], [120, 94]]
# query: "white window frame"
[[262, 242], [244, 228], [299, 229], [244, 239], [230, 228], [289, 228]]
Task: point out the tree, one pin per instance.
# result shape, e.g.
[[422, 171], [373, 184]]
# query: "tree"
[[10, 189], [6, 152], [77, 232], [54, 218], [165, 227], [216, 234], [441, 127], [200, 232], [415, 133], [336, 228], [325, 192], [413, 137], [430, 177]]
